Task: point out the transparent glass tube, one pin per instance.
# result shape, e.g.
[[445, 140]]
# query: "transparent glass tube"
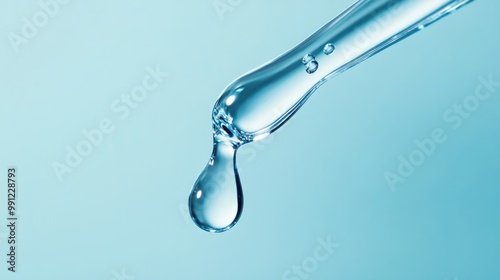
[[259, 102]]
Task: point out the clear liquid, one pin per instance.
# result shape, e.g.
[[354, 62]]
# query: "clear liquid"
[[217, 198], [258, 103]]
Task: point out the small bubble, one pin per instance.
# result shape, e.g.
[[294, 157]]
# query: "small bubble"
[[312, 66], [307, 58], [328, 49]]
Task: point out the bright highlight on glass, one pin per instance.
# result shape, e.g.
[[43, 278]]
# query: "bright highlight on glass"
[[258, 103]]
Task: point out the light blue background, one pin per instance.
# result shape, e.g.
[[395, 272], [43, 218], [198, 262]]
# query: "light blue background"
[[320, 175]]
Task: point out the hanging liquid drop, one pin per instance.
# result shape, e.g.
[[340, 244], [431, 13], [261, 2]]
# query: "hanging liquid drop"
[[258, 103], [216, 200]]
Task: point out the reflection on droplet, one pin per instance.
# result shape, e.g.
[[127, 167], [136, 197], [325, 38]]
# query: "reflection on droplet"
[[230, 100]]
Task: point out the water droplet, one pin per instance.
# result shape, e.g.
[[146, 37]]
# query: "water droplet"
[[307, 58], [312, 66], [328, 49], [230, 100], [216, 200]]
